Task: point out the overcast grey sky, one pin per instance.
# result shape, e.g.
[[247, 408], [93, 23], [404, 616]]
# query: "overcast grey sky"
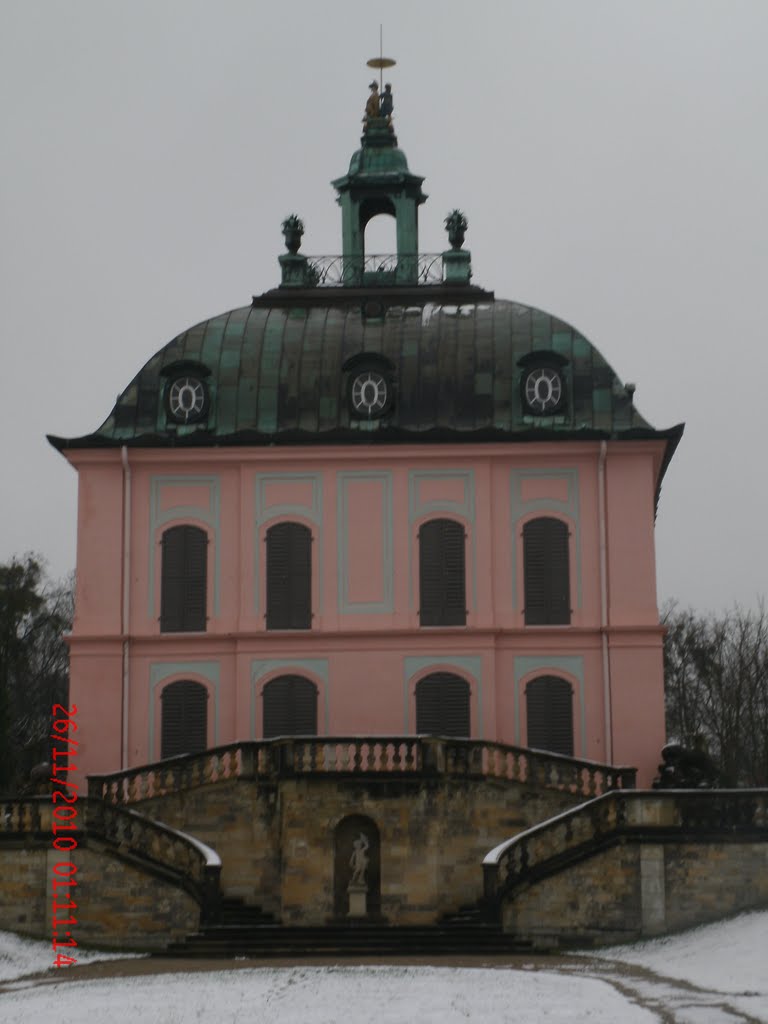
[[611, 156]]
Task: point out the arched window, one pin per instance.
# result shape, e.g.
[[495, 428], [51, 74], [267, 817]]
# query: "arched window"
[[442, 589], [442, 705], [289, 576], [546, 572], [290, 707], [184, 727], [183, 580], [550, 714]]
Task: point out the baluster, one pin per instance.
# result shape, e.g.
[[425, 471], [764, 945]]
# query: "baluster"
[[410, 759], [357, 760], [371, 759], [396, 758], [592, 782]]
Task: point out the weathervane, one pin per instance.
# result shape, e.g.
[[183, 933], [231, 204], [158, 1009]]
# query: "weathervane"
[[381, 61], [380, 103]]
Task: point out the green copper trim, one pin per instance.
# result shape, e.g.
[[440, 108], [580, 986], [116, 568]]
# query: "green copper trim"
[[160, 673], [262, 668], [569, 508], [211, 516], [464, 664], [265, 514], [572, 665], [386, 605]]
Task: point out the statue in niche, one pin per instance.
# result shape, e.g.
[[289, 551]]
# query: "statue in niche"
[[373, 105], [359, 859]]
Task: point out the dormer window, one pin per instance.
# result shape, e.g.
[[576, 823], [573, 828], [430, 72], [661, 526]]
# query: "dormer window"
[[542, 383], [186, 399], [543, 389], [369, 385], [186, 391], [369, 393]]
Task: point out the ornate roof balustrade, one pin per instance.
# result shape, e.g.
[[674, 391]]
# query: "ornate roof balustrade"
[[377, 270], [412, 756]]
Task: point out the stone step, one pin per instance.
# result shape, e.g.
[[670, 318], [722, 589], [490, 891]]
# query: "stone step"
[[350, 940]]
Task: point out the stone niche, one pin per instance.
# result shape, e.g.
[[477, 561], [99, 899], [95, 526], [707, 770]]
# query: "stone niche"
[[356, 869]]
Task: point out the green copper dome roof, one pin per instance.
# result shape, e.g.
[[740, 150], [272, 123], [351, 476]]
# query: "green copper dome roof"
[[281, 374]]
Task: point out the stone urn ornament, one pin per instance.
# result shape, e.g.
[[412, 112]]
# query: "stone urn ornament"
[[456, 225], [293, 229]]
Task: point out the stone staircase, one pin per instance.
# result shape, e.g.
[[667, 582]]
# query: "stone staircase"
[[245, 931]]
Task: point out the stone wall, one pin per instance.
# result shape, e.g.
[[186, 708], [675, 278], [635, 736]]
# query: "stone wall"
[[634, 889], [119, 904], [276, 842], [23, 880]]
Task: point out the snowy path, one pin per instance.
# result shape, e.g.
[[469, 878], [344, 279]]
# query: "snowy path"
[[673, 1001], [713, 975]]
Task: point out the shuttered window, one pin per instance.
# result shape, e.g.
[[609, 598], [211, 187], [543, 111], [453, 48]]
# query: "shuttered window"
[[290, 707], [546, 572], [184, 718], [183, 580], [442, 705], [550, 714], [289, 576], [442, 589]]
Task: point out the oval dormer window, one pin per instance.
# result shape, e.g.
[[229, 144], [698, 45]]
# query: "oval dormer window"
[[187, 399], [543, 390], [369, 394]]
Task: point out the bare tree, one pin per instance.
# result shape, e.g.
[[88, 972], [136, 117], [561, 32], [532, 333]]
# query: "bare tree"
[[716, 677]]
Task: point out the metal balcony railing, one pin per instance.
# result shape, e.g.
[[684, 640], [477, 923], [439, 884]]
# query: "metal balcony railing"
[[382, 270]]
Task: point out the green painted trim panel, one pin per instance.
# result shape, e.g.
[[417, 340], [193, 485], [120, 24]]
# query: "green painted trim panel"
[[386, 605]]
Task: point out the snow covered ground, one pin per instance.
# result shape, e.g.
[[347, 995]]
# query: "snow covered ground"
[[713, 975]]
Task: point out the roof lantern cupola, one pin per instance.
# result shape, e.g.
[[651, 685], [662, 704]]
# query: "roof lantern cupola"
[[378, 182]]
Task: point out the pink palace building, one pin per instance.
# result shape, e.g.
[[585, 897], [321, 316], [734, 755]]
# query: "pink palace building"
[[376, 500]]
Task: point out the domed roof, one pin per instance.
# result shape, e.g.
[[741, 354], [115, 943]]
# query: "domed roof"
[[401, 349], [281, 374]]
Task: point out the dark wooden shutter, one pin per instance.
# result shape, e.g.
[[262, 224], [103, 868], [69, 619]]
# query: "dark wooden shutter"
[[546, 570], [184, 727], [550, 714], [290, 707], [183, 580], [442, 582], [289, 576], [442, 705]]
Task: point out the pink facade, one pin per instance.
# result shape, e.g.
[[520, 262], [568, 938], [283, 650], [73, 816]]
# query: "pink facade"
[[366, 651]]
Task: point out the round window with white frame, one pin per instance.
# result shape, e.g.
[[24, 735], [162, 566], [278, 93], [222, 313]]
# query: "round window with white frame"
[[543, 390], [369, 394], [187, 399]]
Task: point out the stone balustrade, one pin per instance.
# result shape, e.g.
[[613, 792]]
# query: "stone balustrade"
[[659, 816], [393, 755], [192, 864]]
